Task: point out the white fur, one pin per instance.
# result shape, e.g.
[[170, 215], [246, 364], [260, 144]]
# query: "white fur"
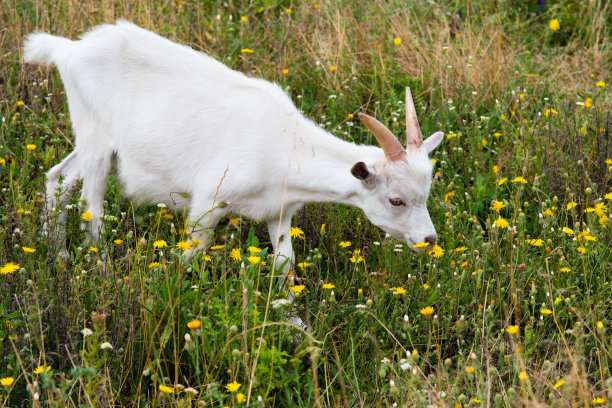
[[178, 123]]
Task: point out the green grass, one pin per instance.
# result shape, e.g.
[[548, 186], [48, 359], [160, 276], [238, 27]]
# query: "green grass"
[[489, 74]]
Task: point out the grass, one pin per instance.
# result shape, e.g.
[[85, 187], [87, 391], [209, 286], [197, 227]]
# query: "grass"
[[520, 313]]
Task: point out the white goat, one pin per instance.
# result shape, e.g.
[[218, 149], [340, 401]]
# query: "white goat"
[[187, 131]]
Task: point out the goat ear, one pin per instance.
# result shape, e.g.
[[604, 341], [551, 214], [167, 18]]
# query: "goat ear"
[[433, 141], [360, 171]]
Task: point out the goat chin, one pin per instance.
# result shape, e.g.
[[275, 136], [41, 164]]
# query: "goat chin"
[[188, 131]]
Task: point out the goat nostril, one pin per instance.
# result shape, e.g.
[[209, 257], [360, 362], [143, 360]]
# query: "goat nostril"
[[431, 240]]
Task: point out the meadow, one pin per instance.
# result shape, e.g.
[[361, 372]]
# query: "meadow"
[[514, 309]]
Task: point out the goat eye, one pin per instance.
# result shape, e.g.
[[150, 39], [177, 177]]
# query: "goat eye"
[[396, 202]]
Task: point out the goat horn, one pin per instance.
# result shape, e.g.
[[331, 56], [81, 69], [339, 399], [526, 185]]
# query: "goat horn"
[[391, 146], [414, 138]]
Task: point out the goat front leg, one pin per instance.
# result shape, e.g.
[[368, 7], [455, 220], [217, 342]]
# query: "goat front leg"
[[201, 222], [281, 241]]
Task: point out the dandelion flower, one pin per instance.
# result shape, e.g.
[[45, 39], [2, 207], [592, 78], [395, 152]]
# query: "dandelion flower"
[[160, 244], [217, 247], [397, 41], [545, 311], [7, 381], [581, 249], [448, 196], [427, 311], [298, 288], [600, 84], [183, 245], [165, 389], [497, 205], [40, 369], [246, 51], [93, 249], [554, 24], [20, 103], [460, 249], [570, 205], [513, 329], [296, 232], [565, 269], [522, 376], [31, 147], [558, 384], [608, 196], [501, 223], [235, 254], [240, 398], [154, 265], [519, 179], [469, 370], [233, 386], [194, 324], [117, 241], [399, 291], [244, 19], [502, 181], [254, 260], [87, 216], [303, 265], [285, 71], [332, 68], [328, 286], [254, 249], [421, 245], [598, 401], [568, 231], [345, 244], [28, 250], [600, 325], [436, 252], [535, 242]]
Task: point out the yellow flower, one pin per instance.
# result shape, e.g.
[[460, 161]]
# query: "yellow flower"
[[421, 245], [535, 242], [254, 260], [207, 258], [28, 250], [194, 324], [608, 196], [581, 249], [600, 84], [570, 205], [154, 264], [549, 112], [2, 161], [460, 249], [522, 376], [356, 258], [484, 142], [502, 181], [244, 19], [588, 102], [513, 329], [558, 384], [93, 249], [397, 41], [160, 244], [501, 223], [399, 291], [7, 381], [600, 209], [31, 147], [497, 205], [234, 222], [285, 71], [464, 264], [9, 268], [40, 369], [568, 231], [165, 389], [554, 24], [118, 241], [87, 216], [600, 325], [296, 232], [469, 369], [448, 196], [233, 386], [240, 397], [451, 135], [217, 247], [598, 401], [303, 265], [436, 252], [298, 288], [545, 311], [235, 254], [332, 68], [246, 50], [426, 286], [328, 286], [20, 103], [519, 179], [183, 245], [565, 269], [254, 249], [345, 244], [427, 311], [288, 11]]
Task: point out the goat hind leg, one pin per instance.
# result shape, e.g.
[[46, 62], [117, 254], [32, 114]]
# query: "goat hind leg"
[[95, 175]]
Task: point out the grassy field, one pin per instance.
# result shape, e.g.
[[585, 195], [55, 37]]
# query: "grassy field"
[[516, 311]]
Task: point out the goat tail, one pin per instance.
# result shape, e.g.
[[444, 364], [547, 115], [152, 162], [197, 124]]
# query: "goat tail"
[[43, 48]]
